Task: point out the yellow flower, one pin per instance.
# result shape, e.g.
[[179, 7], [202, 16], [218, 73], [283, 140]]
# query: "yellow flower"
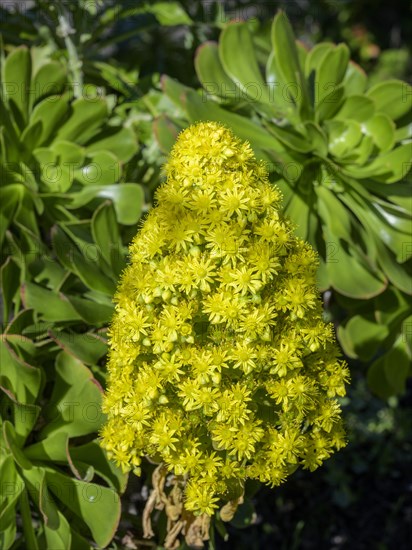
[[219, 360]]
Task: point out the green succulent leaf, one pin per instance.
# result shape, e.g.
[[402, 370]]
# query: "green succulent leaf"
[[106, 234], [51, 449], [17, 75], [350, 275], [49, 79], [127, 199], [91, 311], [392, 97], [330, 71], [237, 56], [355, 79], [96, 505], [169, 13], [356, 107], [86, 347], [35, 480], [11, 441], [50, 113], [85, 118], [74, 407], [166, 131], [315, 57], [92, 453], [286, 52], [121, 142], [9, 500], [10, 283], [60, 535], [17, 376], [389, 167], [362, 336], [388, 374], [211, 73], [48, 304]]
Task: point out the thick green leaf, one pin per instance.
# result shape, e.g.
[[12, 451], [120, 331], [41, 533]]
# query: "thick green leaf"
[[93, 454], [86, 117], [101, 168], [165, 131], [169, 13], [24, 415], [30, 138], [51, 449], [391, 307], [127, 199], [68, 153], [49, 305], [17, 75], [362, 336], [330, 71], [49, 80], [11, 441], [105, 233], [212, 75], [392, 97], [86, 347], [35, 479], [358, 156], [284, 46], [75, 405], [330, 103], [121, 142], [297, 209], [395, 272], [355, 79], [348, 275], [11, 198], [281, 92], [237, 55], [94, 313], [334, 213], [60, 536], [9, 496], [291, 138], [96, 505], [317, 138], [30, 538], [387, 375], [389, 167], [343, 136], [174, 90], [356, 107], [17, 376], [50, 112], [382, 130], [10, 283], [315, 57]]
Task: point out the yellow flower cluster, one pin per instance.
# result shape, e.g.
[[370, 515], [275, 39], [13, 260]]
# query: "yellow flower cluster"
[[220, 364]]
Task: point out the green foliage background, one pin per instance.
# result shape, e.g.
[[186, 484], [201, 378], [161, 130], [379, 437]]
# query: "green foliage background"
[[93, 95]]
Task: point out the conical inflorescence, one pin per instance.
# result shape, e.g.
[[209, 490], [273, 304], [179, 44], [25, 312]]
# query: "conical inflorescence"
[[220, 365]]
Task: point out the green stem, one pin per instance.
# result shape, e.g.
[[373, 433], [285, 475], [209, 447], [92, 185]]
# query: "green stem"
[[29, 535]]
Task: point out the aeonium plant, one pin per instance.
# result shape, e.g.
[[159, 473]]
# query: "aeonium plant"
[[221, 368], [339, 148]]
